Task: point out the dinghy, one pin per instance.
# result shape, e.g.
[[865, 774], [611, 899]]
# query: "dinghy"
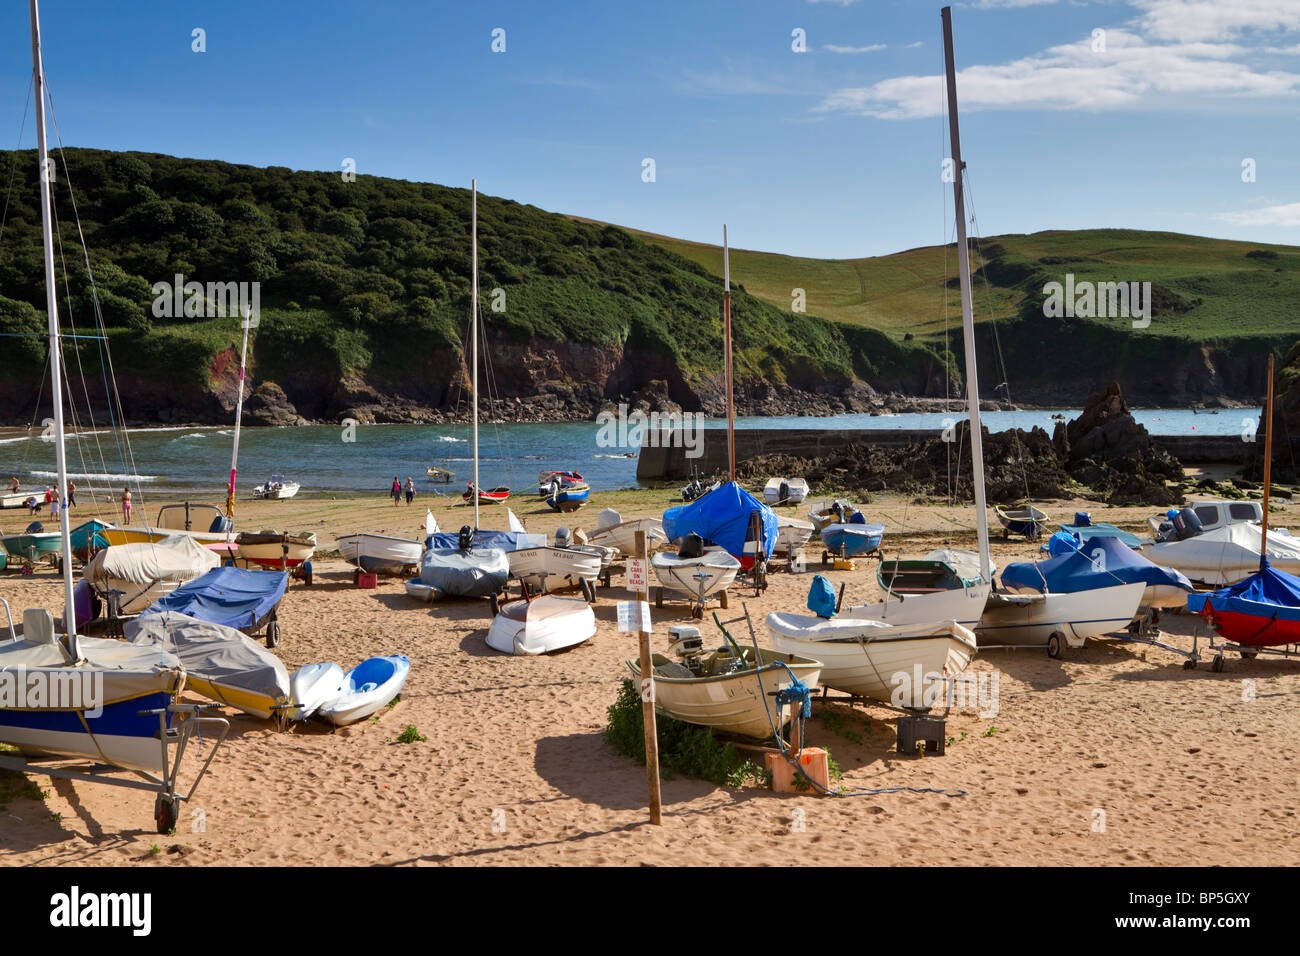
[[559, 566], [825, 513], [379, 553], [486, 496], [614, 532], [87, 537], [220, 662], [311, 686], [274, 549], [1099, 529], [145, 572], [542, 625], [729, 689], [697, 575], [1025, 520], [34, 544], [369, 686], [903, 665], [545, 479], [851, 539], [729, 517], [1054, 620], [568, 498], [782, 491], [276, 487], [791, 534]]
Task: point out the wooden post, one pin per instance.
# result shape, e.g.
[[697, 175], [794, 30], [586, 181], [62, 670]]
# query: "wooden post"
[[648, 701], [1268, 462]]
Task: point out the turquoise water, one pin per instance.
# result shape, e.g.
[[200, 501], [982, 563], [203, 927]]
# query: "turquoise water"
[[196, 461]]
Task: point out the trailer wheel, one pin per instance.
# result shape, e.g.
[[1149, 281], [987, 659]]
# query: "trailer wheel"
[[165, 813], [273, 634], [1216, 665], [588, 590], [495, 601], [1055, 644], [697, 612], [1248, 655], [659, 597], [1189, 665], [306, 578]]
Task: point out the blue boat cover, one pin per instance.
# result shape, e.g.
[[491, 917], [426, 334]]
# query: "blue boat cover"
[[821, 597], [504, 540], [1268, 593], [1100, 562], [1087, 532], [235, 597], [722, 516]]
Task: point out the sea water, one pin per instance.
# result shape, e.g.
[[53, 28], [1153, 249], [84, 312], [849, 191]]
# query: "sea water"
[[364, 459]]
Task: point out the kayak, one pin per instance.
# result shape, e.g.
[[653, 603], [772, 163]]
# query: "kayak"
[[311, 686], [370, 685]]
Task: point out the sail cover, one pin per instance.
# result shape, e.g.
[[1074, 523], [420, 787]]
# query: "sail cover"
[[503, 540], [722, 516], [235, 597], [1100, 562]]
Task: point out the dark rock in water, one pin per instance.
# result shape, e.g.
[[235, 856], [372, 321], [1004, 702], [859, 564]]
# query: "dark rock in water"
[[268, 405]]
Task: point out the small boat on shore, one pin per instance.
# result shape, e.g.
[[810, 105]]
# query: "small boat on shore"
[[568, 498], [613, 532], [782, 491], [852, 538], [1025, 520], [545, 479], [276, 487], [488, 496], [311, 686], [791, 534], [729, 689], [541, 626], [34, 544], [274, 549], [439, 475], [379, 553], [366, 688]]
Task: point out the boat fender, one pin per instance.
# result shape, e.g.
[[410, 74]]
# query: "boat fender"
[[465, 540], [821, 597]]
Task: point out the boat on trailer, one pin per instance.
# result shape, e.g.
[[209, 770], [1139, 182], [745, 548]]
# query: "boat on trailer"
[[1024, 520], [379, 553]]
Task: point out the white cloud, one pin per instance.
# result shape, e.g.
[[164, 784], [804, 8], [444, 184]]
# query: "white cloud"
[[1127, 74], [913, 46], [1284, 215], [1213, 20], [836, 48]]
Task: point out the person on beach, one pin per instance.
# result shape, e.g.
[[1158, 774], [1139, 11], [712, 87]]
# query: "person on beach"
[[396, 491], [49, 495], [33, 505], [54, 508], [126, 505], [410, 490], [13, 483], [72, 496]]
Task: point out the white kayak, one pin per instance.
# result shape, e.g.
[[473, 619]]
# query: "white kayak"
[[311, 686], [366, 688], [422, 592], [540, 626]]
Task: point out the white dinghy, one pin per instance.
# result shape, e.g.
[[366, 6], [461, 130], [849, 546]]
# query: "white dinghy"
[[366, 688], [613, 532], [542, 625], [311, 686]]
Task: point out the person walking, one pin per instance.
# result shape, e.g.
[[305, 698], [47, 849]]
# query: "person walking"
[[54, 507], [410, 489], [126, 505], [13, 483], [396, 491], [72, 496]]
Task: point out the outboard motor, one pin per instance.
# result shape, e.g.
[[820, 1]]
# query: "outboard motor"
[[1083, 519], [35, 528], [785, 491], [563, 539], [838, 508], [465, 540], [692, 546], [221, 525], [1187, 524]]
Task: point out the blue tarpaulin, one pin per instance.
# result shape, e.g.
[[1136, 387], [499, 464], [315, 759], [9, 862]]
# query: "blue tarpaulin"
[[1267, 593], [722, 516], [235, 597], [505, 540], [1100, 562]]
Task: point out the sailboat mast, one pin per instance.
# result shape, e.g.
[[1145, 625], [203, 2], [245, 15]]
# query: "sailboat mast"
[[239, 415], [727, 369], [967, 317], [52, 312], [473, 330], [1268, 463]]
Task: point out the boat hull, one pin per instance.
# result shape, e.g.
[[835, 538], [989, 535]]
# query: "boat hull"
[[366, 688], [542, 626], [1078, 616], [963, 605], [902, 666], [311, 686], [697, 577], [32, 547], [274, 551], [553, 569], [120, 734], [852, 540], [622, 536]]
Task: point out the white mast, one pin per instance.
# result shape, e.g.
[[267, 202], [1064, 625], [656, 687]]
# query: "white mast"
[[52, 312], [473, 331], [967, 319], [239, 414], [727, 369]]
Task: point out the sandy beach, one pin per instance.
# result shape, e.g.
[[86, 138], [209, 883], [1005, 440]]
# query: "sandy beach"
[[514, 770]]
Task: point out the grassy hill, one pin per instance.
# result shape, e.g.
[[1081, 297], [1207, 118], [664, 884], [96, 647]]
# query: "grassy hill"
[[365, 295]]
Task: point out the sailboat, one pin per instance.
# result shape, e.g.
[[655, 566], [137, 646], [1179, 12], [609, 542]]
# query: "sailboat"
[[1263, 610], [737, 530], [465, 567], [128, 718], [1024, 620]]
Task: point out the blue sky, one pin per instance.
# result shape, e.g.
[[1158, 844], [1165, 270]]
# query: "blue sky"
[[831, 152]]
